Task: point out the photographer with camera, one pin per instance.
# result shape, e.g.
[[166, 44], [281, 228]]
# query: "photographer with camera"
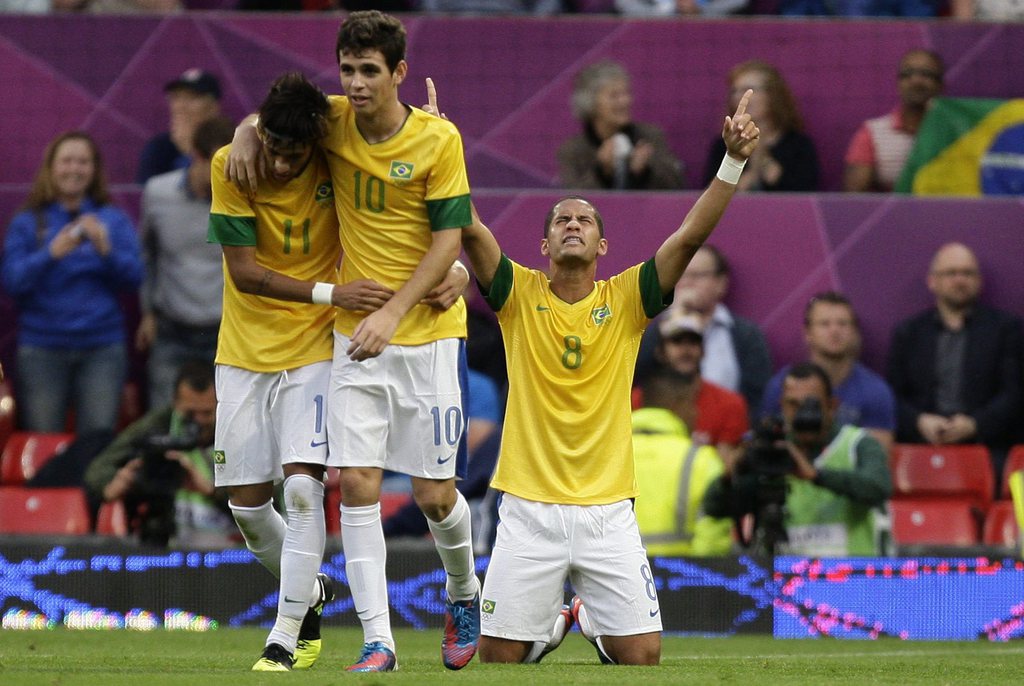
[[814, 488], [161, 466]]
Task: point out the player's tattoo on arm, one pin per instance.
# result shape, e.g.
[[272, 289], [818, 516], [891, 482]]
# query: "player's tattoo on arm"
[[264, 282]]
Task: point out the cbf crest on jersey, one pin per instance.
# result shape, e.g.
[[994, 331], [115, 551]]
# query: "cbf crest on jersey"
[[325, 192], [401, 170], [601, 314]]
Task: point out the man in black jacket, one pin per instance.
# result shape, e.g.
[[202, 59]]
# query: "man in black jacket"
[[956, 367]]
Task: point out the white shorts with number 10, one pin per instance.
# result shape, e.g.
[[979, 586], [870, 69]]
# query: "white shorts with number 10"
[[540, 544], [402, 410], [267, 419]]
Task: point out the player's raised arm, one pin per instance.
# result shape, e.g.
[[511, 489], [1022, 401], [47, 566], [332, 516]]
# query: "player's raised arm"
[[482, 249], [741, 137]]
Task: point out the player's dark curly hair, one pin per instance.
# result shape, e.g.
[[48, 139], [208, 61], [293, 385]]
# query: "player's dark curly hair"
[[372, 30], [295, 110]]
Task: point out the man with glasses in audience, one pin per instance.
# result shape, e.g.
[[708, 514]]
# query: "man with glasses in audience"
[[880, 147], [956, 367]]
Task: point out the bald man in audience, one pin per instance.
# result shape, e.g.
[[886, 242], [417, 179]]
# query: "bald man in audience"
[[956, 367]]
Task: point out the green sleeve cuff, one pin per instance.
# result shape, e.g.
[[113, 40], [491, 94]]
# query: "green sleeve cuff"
[[227, 230], [501, 285], [653, 299], [449, 213]]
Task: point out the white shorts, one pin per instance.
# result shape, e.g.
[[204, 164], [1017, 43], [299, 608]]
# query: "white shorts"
[[403, 410], [266, 420], [596, 546]]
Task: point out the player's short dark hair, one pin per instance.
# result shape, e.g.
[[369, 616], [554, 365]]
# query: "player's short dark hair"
[[372, 30], [212, 135], [830, 298], [196, 374], [294, 111], [809, 370], [551, 214]]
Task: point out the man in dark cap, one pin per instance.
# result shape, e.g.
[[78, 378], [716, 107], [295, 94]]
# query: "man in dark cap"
[[192, 98]]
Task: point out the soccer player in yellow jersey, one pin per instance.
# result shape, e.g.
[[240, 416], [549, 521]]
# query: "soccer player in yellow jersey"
[[396, 399], [566, 466], [396, 390], [274, 355]]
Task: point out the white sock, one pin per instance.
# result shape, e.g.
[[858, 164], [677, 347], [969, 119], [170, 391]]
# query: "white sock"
[[362, 540], [453, 538], [301, 555], [263, 530]]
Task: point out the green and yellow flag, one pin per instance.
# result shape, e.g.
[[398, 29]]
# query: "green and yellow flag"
[[968, 146]]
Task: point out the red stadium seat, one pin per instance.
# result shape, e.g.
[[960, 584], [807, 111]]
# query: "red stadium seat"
[[1000, 526], [943, 471], [27, 451], [112, 519], [1014, 463], [43, 511], [934, 522]]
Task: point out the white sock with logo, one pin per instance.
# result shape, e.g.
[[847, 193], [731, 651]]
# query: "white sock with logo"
[[301, 554], [362, 540], [453, 538]]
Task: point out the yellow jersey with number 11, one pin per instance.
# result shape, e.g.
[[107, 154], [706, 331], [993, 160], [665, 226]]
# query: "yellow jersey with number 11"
[[294, 229]]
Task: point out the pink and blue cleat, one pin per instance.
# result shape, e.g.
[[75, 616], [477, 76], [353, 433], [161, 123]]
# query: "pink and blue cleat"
[[376, 657], [461, 632]]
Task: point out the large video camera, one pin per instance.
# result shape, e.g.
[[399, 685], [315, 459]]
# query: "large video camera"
[[160, 476], [157, 482], [768, 461]]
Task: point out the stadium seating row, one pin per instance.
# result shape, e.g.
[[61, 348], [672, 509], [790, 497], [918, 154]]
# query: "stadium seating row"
[[943, 495]]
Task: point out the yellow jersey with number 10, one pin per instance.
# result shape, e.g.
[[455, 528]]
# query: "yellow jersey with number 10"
[[390, 196], [294, 228], [567, 437]]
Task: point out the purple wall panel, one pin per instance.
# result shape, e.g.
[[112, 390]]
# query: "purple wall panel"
[[504, 81], [782, 248]]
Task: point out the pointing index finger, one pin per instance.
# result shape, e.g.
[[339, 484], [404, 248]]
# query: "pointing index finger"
[[432, 95], [741, 108]]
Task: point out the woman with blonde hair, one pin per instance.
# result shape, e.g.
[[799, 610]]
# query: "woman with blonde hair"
[[68, 256], [786, 160]]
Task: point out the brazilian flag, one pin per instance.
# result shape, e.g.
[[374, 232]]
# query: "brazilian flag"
[[968, 146]]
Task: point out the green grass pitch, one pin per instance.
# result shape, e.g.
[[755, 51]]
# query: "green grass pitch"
[[63, 657]]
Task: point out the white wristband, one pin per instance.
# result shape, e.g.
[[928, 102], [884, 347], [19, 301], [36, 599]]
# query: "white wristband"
[[731, 169], [322, 293]]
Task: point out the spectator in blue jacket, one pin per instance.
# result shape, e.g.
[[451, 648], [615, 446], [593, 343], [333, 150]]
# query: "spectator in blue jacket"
[[68, 256]]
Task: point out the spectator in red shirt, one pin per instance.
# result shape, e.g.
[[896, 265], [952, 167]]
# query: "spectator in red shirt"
[[714, 415], [880, 147]]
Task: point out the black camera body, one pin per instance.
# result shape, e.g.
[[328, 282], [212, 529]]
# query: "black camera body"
[[152, 499], [767, 460], [159, 475]]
